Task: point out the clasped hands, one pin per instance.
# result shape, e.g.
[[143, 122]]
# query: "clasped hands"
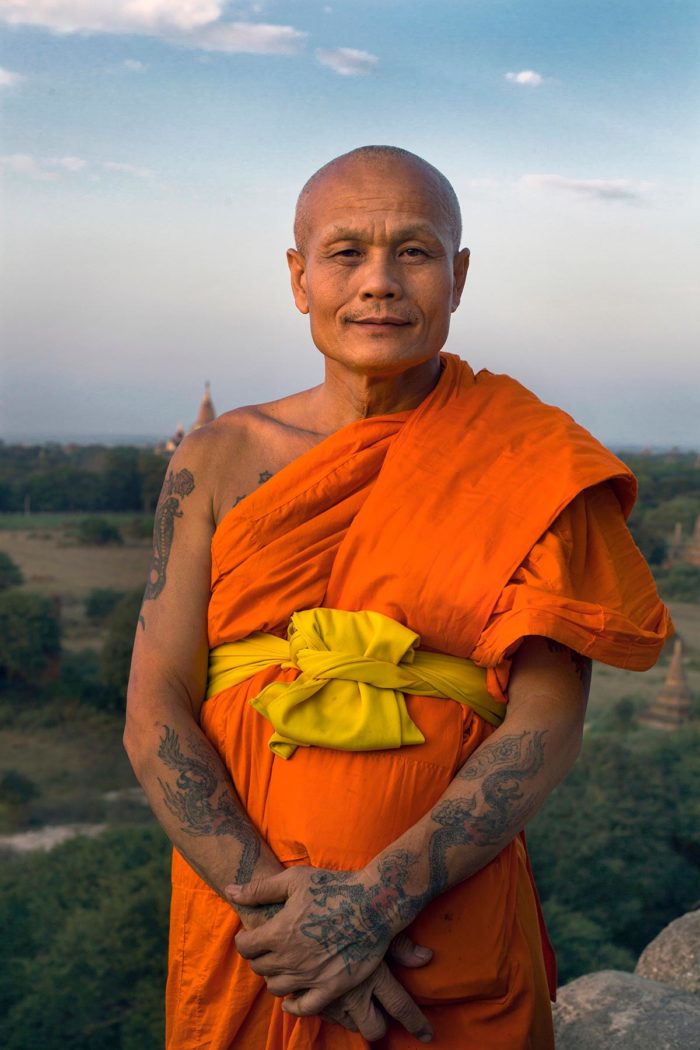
[[325, 948]]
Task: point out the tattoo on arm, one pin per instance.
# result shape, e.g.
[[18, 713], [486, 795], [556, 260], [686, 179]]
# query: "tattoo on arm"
[[175, 487], [582, 664], [263, 476], [192, 800], [504, 807]]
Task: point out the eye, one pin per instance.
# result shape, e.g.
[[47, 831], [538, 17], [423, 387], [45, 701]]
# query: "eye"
[[346, 253], [414, 253]]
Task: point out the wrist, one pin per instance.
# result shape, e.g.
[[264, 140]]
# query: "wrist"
[[387, 890]]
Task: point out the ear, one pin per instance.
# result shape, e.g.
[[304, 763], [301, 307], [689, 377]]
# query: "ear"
[[460, 267], [297, 272]]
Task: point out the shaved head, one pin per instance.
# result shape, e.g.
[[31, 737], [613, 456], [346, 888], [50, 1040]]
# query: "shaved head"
[[379, 157]]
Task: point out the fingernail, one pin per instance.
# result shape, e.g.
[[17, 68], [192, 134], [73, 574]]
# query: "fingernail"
[[427, 1037], [421, 952], [232, 891]]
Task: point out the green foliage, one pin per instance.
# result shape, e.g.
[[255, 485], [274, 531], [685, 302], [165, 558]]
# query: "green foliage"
[[82, 957], [669, 491], [30, 639], [582, 945], [98, 532], [85, 478], [679, 583], [616, 848], [10, 572], [115, 659], [100, 602], [16, 789]]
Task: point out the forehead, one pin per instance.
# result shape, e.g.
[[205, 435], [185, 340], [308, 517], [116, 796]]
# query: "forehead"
[[365, 195]]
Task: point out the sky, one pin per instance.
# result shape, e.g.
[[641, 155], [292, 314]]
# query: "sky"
[[151, 152]]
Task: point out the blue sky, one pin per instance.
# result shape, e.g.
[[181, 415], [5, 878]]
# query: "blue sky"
[[151, 153]]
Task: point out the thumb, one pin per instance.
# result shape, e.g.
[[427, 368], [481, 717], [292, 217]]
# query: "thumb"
[[402, 950], [264, 889]]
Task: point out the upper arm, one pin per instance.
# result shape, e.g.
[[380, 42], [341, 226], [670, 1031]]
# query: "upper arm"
[[171, 648], [552, 676]]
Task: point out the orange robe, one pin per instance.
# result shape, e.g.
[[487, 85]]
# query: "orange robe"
[[477, 518]]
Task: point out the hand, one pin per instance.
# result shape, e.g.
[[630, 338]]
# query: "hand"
[[332, 933], [359, 1010]]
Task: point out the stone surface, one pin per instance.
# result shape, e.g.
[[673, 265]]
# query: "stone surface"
[[611, 1010], [674, 956]]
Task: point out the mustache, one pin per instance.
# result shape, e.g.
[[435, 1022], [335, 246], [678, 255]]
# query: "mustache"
[[375, 315]]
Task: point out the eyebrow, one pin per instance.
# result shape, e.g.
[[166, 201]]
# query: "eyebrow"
[[347, 233]]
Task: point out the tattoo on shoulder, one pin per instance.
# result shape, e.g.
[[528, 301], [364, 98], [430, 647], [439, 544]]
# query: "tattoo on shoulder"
[[176, 487], [582, 664], [263, 476], [191, 801]]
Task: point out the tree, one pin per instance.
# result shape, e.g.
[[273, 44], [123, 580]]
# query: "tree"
[[30, 637], [115, 659], [98, 532], [10, 572], [84, 965]]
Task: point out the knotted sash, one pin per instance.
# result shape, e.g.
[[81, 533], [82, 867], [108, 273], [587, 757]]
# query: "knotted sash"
[[354, 670]]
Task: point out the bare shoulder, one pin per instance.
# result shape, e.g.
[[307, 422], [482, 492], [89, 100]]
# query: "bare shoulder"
[[243, 448]]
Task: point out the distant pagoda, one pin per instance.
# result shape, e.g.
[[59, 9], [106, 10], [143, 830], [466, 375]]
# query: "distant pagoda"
[[671, 708], [206, 412]]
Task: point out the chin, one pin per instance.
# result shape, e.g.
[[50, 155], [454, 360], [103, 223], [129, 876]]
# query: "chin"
[[378, 357]]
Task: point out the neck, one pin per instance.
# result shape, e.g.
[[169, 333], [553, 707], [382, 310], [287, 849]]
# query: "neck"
[[346, 396]]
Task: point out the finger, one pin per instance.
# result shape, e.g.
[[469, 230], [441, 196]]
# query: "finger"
[[336, 1015], [367, 1016], [405, 952], [308, 1003], [283, 984], [399, 1005], [251, 944], [264, 890]]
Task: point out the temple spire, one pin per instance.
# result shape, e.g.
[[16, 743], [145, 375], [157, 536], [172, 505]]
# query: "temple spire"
[[672, 706]]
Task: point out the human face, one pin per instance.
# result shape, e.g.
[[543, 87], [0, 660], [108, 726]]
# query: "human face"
[[380, 276]]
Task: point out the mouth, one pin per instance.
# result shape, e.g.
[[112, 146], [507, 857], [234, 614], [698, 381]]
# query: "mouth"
[[383, 322]]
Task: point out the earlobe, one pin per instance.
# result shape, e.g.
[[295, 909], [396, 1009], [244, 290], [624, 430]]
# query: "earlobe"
[[461, 266], [297, 273]]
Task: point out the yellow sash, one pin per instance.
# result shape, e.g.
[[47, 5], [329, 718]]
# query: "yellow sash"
[[355, 668]]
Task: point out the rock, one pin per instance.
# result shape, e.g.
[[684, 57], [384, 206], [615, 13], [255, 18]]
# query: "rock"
[[611, 1010], [674, 956]]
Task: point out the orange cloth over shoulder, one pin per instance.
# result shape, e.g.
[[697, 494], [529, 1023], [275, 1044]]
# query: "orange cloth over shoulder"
[[478, 518]]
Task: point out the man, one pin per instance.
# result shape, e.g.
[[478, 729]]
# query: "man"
[[444, 554]]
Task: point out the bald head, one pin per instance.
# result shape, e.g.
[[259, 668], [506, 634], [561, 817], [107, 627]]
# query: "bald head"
[[378, 157]]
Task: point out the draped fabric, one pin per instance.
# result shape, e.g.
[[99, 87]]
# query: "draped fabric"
[[477, 518]]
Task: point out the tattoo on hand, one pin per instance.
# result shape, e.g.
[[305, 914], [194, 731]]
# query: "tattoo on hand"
[[175, 487], [582, 664], [191, 802], [355, 921]]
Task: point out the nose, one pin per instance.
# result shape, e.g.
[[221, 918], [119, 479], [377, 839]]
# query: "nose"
[[380, 280]]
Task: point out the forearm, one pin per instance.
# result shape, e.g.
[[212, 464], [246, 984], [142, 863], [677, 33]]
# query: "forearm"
[[194, 799], [495, 793]]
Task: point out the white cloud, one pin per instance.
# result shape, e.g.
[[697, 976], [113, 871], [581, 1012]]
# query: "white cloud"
[[133, 64], [526, 76], [255, 38], [597, 189], [191, 23], [128, 169], [347, 61], [25, 164], [8, 79], [68, 163]]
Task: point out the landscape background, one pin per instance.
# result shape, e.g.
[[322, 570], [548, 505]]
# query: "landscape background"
[[84, 881]]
